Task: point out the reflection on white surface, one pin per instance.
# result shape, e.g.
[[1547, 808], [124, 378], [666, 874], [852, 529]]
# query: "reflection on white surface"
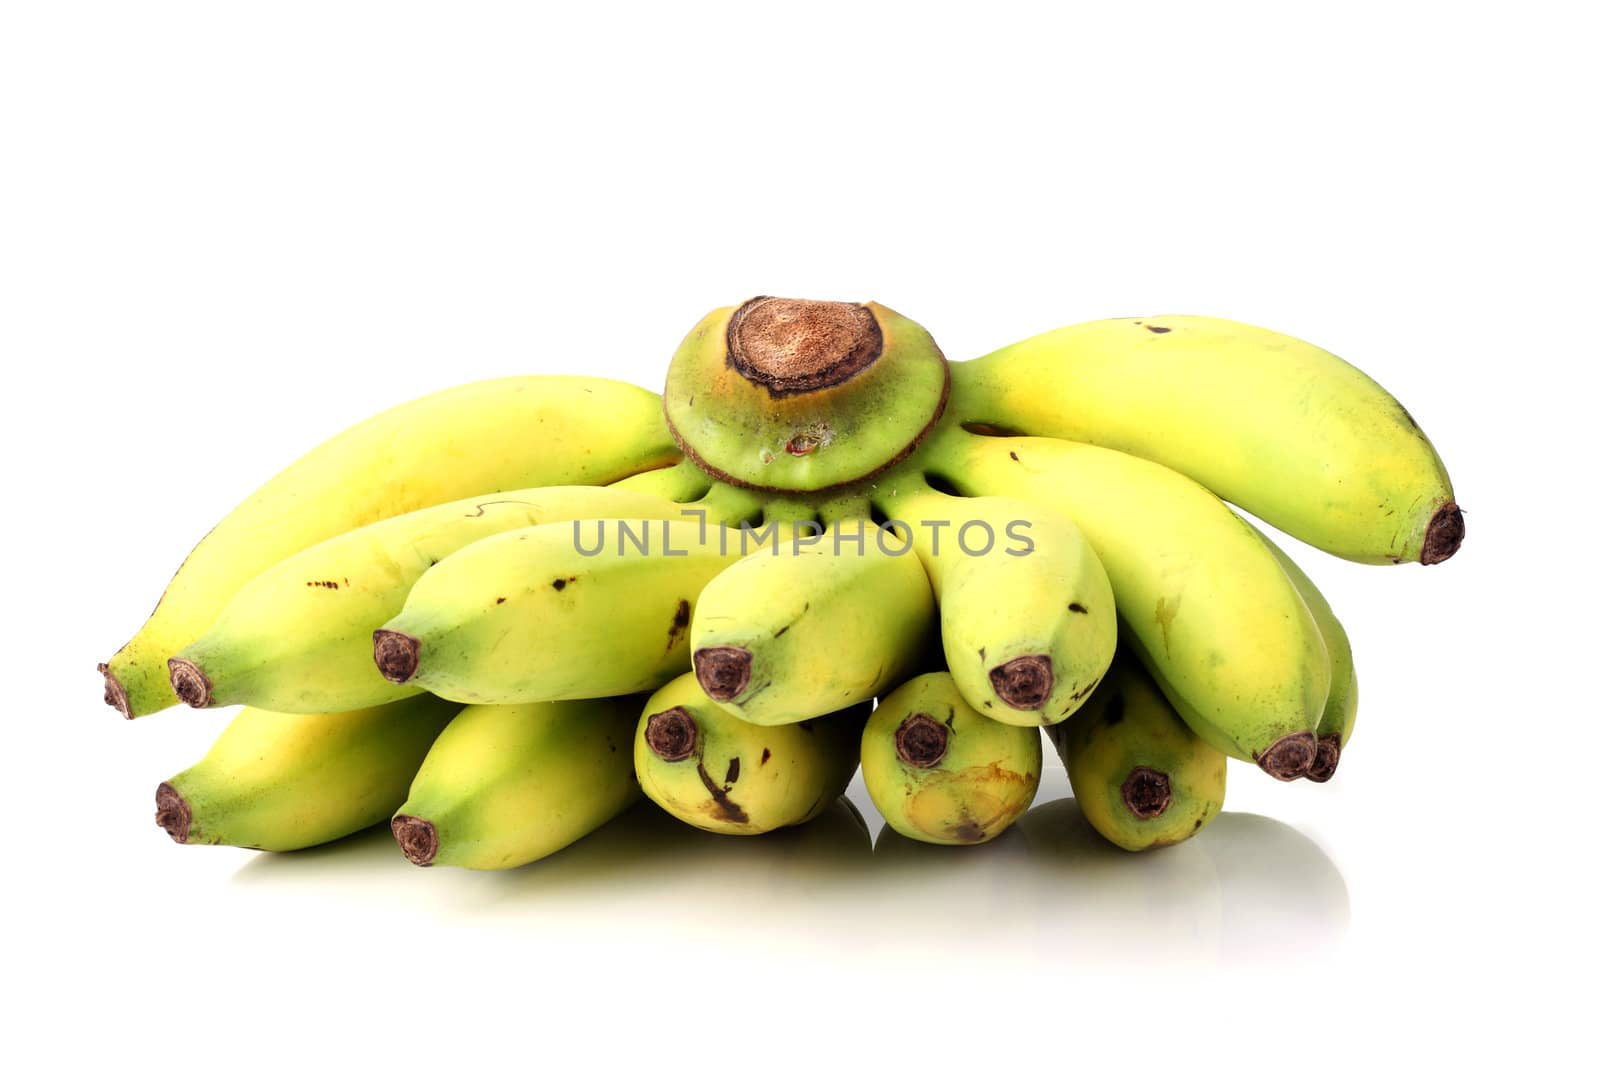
[[1248, 888]]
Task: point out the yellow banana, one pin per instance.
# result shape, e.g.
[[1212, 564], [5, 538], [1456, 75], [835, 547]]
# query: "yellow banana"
[[942, 773], [1025, 608], [723, 774], [298, 637], [810, 626], [508, 784], [1141, 777], [487, 437], [281, 782], [1209, 609], [1282, 428], [568, 610], [1339, 714]]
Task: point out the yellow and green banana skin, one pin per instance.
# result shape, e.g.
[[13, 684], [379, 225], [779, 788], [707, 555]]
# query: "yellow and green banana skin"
[[1208, 608], [813, 627], [508, 784], [1279, 427], [487, 437], [983, 779], [1339, 714], [280, 782], [1141, 777], [717, 772], [526, 616], [299, 636], [1025, 608]]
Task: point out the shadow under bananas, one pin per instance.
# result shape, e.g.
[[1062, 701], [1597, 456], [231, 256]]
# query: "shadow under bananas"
[[1247, 889]]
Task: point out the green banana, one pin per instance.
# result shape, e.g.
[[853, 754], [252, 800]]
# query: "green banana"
[[474, 439], [299, 636], [940, 772], [1279, 427], [1339, 714], [570, 610], [1025, 607], [1208, 608], [281, 782], [813, 625], [508, 784], [1141, 777], [720, 773]]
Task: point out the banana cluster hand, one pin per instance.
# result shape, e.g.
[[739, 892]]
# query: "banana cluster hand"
[[697, 597]]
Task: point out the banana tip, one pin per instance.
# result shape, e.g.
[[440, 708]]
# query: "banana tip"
[[396, 655], [1289, 757], [672, 734], [418, 838], [1327, 759], [1446, 530], [116, 696], [921, 741], [172, 813], [723, 671], [1146, 792], [1024, 682], [189, 682]]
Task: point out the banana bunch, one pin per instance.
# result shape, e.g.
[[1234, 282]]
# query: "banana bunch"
[[499, 615]]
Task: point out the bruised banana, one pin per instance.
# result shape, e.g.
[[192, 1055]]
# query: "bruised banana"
[[1281, 428], [942, 773], [1140, 776], [812, 625], [299, 636], [1025, 608], [508, 784], [567, 611], [279, 782], [1209, 609], [1339, 714], [486, 437], [720, 773]]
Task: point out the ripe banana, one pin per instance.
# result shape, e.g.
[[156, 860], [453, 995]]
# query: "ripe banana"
[[723, 774], [1339, 714], [569, 610], [505, 784], [811, 626], [298, 637], [1025, 607], [281, 782], [1141, 777], [486, 437], [1279, 427], [942, 773], [1208, 607]]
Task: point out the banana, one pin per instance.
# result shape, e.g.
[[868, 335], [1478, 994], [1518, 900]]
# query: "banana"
[[720, 773], [1279, 427], [1141, 777], [298, 637], [481, 438], [1339, 714], [1025, 607], [281, 782], [1206, 604], [564, 611], [508, 784], [942, 773], [812, 625]]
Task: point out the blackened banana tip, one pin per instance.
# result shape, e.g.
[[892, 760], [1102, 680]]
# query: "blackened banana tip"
[[396, 654], [1446, 530], [418, 838], [172, 813], [189, 682]]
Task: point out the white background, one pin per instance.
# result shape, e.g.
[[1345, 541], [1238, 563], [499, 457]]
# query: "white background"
[[228, 231]]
